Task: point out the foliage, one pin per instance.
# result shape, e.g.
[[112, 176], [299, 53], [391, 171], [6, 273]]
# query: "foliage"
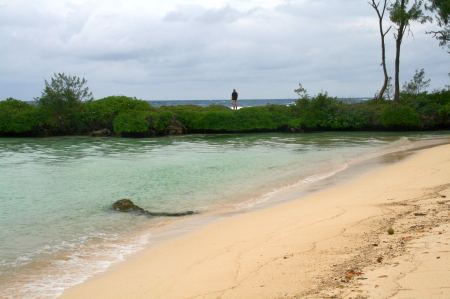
[[402, 15], [60, 103], [132, 122], [17, 117], [135, 123], [130, 117], [399, 117], [430, 107], [301, 92], [100, 114], [441, 11], [417, 84]]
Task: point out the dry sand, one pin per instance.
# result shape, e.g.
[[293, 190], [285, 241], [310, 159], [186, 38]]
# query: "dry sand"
[[329, 244]]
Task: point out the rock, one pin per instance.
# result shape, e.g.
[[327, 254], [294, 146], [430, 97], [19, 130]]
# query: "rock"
[[296, 130], [175, 128], [101, 133], [350, 274], [126, 205], [420, 214]]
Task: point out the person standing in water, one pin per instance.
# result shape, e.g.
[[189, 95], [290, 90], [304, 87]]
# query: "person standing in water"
[[234, 98]]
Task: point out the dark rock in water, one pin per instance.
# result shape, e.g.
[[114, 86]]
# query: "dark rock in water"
[[175, 128], [126, 205], [296, 130], [162, 214], [101, 133]]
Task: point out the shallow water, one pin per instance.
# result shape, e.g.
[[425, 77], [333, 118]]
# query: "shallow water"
[[56, 225]]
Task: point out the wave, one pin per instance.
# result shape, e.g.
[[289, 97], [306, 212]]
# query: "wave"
[[67, 265], [276, 194]]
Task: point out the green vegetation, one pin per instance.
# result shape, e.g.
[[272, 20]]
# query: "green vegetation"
[[131, 117], [18, 118], [100, 114], [66, 108], [61, 103]]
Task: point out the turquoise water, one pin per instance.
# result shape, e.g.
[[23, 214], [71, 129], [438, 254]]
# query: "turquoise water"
[[56, 225]]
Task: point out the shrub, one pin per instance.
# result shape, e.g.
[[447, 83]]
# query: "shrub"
[[397, 116], [141, 123], [101, 113], [131, 123], [18, 118]]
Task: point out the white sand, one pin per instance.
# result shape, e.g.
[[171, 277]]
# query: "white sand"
[[325, 244]]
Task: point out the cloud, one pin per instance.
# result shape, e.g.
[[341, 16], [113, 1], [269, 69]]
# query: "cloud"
[[202, 49]]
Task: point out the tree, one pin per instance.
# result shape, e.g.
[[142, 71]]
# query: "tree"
[[417, 84], [441, 11], [301, 91], [380, 13], [61, 100], [389, 89], [403, 15]]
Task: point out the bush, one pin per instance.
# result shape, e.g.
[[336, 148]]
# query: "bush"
[[18, 118], [397, 116], [141, 123], [326, 113], [100, 114], [429, 107], [132, 117], [131, 123]]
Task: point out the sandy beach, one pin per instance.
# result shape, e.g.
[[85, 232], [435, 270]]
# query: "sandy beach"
[[331, 243]]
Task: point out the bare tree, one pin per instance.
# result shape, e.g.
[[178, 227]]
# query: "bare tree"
[[381, 10]]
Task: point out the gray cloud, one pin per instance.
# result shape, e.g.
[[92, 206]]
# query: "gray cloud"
[[170, 50]]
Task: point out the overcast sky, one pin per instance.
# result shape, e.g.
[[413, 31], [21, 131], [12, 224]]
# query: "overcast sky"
[[202, 49]]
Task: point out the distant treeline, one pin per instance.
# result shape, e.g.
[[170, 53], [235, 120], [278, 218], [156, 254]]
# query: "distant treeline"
[[131, 117]]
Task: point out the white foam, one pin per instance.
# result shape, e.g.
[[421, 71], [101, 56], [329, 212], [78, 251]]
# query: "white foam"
[[277, 192], [76, 267]]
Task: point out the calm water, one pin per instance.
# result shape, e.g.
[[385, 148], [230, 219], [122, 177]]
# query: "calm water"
[[56, 225], [241, 102]]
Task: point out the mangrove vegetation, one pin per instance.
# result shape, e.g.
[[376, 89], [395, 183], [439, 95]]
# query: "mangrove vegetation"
[[66, 107]]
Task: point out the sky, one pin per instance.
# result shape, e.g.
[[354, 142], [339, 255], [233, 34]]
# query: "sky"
[[202, 49]]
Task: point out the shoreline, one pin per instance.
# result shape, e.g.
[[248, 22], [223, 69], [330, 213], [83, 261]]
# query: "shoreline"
[[54, 272], [194, 277]]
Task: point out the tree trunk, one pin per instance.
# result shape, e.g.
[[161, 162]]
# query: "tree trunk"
[[383, 62], [398, 44], [383, 44]]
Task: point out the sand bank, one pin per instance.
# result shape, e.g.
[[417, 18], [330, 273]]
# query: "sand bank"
[[330, 243]]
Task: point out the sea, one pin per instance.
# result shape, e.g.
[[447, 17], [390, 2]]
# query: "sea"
[[241, 103], [57, 227]]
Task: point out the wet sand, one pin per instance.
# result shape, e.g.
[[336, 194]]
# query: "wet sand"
[[330, 243]]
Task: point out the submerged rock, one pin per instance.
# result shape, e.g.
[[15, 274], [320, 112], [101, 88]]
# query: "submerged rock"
[[101, 133], [175, 128], [126, 205]]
